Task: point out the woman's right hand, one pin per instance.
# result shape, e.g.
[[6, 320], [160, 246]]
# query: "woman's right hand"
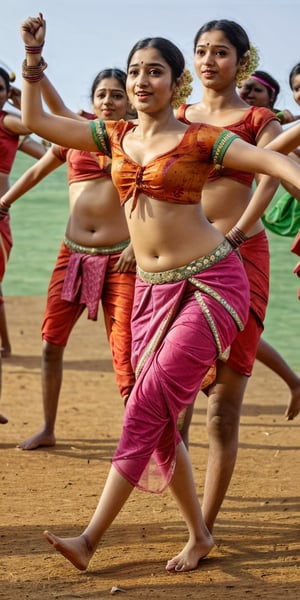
[[33, 30], [15, 97]]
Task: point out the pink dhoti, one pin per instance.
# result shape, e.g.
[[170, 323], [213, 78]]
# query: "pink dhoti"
[[182, 321]]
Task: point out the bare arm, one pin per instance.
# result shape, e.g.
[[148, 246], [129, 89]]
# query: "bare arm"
[[60, 130], [54, 101], [32, 147], [13, 123], [48, 163], [266, 185], [246, 157], [15, 97], [261, 198], [287, 141]]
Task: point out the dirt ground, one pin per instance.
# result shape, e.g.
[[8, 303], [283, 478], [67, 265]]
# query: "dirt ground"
[[258, 531]]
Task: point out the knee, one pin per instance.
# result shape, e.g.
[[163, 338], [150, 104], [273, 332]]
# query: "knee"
[[223, 422], [51, 352]]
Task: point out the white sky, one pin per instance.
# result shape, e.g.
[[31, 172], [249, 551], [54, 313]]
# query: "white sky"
[[85, 36]]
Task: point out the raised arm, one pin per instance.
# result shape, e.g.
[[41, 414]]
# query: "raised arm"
[[54, 101], [60, 130]]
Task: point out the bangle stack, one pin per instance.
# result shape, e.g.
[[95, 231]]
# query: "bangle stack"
[[34, 73], [236, 237], [34, 49], [4, 208]]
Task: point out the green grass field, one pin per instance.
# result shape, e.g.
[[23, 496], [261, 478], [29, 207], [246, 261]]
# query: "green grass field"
[[38, 223]]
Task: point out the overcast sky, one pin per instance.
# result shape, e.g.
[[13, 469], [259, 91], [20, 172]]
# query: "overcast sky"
[[85, 36]]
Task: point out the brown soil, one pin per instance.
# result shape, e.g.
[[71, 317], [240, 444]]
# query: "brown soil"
[[258, 531]]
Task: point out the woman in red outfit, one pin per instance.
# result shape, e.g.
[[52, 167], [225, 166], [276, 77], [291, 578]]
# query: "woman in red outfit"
[[223, 57], [13, 136], [95, 261]]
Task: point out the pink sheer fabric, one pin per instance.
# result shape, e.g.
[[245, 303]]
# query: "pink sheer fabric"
[[173, 348]]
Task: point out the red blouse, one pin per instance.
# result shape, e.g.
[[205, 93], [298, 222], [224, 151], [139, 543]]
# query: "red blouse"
[[8, 146], [248, 128]]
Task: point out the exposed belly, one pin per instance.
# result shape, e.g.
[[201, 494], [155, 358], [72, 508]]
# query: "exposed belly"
[[96, 216], [224, 201], [167, 235]]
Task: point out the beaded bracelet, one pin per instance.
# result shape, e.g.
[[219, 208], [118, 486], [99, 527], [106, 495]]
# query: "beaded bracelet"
[[236, 237], [33, 73], [34, 49], [4, 210]]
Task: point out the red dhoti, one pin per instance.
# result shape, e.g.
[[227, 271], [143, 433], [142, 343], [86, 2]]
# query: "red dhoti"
[[79, 281], [256, 261], [5, 247]]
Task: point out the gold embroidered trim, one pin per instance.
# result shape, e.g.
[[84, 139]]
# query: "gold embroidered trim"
[[220, 147], [151, 347], [208, 290], [187, 271], [94, 251]]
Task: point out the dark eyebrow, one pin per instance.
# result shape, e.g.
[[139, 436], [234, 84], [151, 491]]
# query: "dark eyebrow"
[[153, 64], [212, 46], [103, 89]]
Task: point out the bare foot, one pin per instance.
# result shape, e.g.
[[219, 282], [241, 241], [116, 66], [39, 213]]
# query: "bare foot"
[[189, 558], [37, 440], [5, 351], [293, 408], [3, 419], [77, 549]]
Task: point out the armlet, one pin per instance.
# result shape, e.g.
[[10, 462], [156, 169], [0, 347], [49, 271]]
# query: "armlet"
[[220, 146], [100, 136]]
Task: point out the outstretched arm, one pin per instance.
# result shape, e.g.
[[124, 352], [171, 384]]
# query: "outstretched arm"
[[287, 141], [29, 179], [245, 157]]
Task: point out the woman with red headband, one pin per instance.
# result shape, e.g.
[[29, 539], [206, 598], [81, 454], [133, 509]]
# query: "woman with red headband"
[[261, 89]]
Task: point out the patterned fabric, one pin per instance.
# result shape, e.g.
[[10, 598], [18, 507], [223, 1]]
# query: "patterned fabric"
[[84, 281], [176, 176]]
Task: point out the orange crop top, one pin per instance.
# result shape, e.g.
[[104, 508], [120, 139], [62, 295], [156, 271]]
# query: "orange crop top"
[[248, 128], [8, 146], [175, 176]]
